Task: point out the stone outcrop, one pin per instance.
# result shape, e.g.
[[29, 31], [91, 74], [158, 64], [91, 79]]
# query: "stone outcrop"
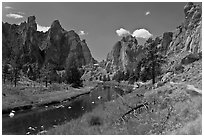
[[165, 42], [125, 55], [181, 46], [190, 58], [187, 36], [186, 44], [86, 53], [57, 46]]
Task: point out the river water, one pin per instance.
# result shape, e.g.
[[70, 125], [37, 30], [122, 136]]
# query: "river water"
[[39, 120]]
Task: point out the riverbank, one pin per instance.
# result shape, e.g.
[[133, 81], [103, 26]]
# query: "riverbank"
[[165, 110], [25, 97], [170, 109]]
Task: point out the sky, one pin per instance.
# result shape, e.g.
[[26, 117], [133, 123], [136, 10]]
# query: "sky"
[[101, 24]]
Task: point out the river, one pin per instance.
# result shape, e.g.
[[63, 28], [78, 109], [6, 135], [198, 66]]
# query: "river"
[[41, 119]]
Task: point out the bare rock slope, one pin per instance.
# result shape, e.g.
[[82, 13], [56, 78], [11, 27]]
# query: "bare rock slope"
[[57, 46]]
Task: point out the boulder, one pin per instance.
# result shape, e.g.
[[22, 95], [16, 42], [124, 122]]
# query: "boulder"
[[136, 85], [166, 77], [190, 59], [178, 68], [158, 84]]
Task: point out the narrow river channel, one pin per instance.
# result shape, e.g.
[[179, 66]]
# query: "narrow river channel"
[[38, 120]]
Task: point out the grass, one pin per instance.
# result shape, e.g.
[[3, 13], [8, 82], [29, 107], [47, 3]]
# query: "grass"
[[191, 128], [28, 95], [170, 110], [92, 122]]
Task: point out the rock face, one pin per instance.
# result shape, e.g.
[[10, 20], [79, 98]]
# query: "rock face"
[[125, 55], [187, 37], [176, 45], [165, 42], [57, 46], [186, 44], [190, 58]]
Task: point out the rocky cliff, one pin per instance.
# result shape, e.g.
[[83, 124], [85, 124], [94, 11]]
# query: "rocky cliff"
[[184, 44], [179, 45], [125, 55], [57, 46], [187, 36]]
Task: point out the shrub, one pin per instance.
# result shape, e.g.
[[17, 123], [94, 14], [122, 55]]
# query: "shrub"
[[95, 121], [73, 77], [179, 69]]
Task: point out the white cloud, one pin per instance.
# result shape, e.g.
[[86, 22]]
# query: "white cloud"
[[14, 15], [147, 13], [8, 7], [42, 28], [138, 33], [142, 33], [122, 32], [81, 33], [21, 13]]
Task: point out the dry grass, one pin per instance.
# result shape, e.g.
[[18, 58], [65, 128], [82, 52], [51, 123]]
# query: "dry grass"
[[170, 111], [191, 128], [24, 95]]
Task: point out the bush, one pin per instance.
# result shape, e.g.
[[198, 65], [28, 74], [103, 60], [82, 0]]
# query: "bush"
[[73, 77], [55, 87], [95, 121], [179, 69]]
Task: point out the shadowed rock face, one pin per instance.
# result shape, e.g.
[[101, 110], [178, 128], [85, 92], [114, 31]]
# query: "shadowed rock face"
[[166, 40], [57, 46]]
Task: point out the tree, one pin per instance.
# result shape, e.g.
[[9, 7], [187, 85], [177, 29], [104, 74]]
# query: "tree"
[[73, 76], [108, 78], [133, 76], [152, 61], [5, 72], [126, 75], [119, 76], [104, 78], [15, 74], [100, 77], [46, 72], [60, 75], [33, 71], [16, 71]]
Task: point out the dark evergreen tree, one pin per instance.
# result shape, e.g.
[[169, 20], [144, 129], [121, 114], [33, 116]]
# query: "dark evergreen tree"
[[100, 78], [46, 73], [152, 62], [33, 72], [15, 74], [73, 76], [118, 76], [5, 71], [108, 78]]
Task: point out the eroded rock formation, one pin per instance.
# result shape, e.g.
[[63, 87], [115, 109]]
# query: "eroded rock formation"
[[57, 46], [125, 55], [181, 45]]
